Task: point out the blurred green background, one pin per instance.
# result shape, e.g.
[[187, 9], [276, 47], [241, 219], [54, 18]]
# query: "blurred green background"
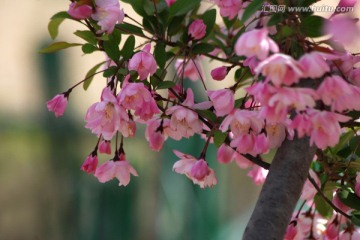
[[43, 193]]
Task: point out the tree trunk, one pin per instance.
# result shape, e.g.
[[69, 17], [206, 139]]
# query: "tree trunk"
[[280, 191]]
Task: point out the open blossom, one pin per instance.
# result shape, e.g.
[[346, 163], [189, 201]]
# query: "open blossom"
[[57, 104], [195, 169], [79, 11], [222, 100], [197, 29], [354, 76], [291, 231], [185, 122], [229, 8], [90, 164], [325, 128], [219, 73], [357, 184], [309, 191], [143, 63], [119, 168], [105, 117], [276, 134], [108, 13], [342, 29], [191, 70], [280, 69], [255, 43], [225, 154], [137, 97], [105, 147], [314, 64], [258, 174], [155, 133]]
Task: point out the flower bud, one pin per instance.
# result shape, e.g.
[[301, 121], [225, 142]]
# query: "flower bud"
[[197, 29], [219, 73]]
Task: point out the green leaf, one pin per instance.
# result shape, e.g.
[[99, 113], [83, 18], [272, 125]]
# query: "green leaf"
[[160, 54], [209, 18], [111, 46], [128, 48], [165, 85], [350, 199], [88, 48], [219, 138], [127, 28], [111, 71], [175, 25], [138, 6], [251, 9], [344, 140], [55, 21], [210, 115], [57, 46], [202, 48], [322, 206], [88, 36], [355, 219], [90, 75], [312, 25], [275, 19], [182, 7]]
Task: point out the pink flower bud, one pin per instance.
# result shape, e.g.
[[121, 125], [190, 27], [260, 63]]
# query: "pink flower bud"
[[105, 147], [170, 2], [79, 12], [90, 164], [339, 204], [219, 73], [199, 170], [197, 29], [291, 231], [357, 189], [332, 230], [57, 105], [225, 154]]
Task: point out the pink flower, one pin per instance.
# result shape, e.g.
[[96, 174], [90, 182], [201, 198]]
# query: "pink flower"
[[255, 43], [291, 231], [357, 184], [280, 69], [302, 124], [229, 8], [339, 204], [154, 133], [332, 90], [325, 130], [143, 63], [105, 147], [347, 3], [276, 134], [350, 234], [258, 174], [242, 161], [262, 92], [185, 122], [244, 144], [90, 164], [241, 121], [219, 73], [314, 64], [354, 76], [196, 170], [225, 154], [79, 11], [222, 100], [342, 29], [191, 70], [197, 29], [108, 13], [170, 2], [309, 191], [120, 169], [105, 117], [135, 96], [58, 104], [332, 230], [128, 128]]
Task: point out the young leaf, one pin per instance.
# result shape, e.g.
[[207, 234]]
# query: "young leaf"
[[57, 46], [322, 206], [128, 48], [88, 36], [202, 48], [90, 75], [209, 18], [127, 28], [111, 46], [251, 9], [55, 21], [219, 138], [88, 48], [165, 85], [182, 7], [312, 25]]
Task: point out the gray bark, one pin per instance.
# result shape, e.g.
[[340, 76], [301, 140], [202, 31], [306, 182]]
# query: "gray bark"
[[280, 191]]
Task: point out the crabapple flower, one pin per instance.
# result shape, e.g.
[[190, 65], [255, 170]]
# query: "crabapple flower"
[[325, 130], [349, 234], [229, 8], [79, 11], [280, 69], [105, 147], [222, 100], [137, 97], [342, 29], [154, 133], [197, 29], [170, 2], [185, 122], [143, 63], [276, 134], [291, 231], [255, 43], [107, 14], [354, 76], [191, 70], [314, 64], [219, 73], [309, 191], [90, 164], [357, 184], [258, 174], [119, 168], [339, 204], [332, 230], [58, 104], [196, 170], [225, 154], [105, 117]]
